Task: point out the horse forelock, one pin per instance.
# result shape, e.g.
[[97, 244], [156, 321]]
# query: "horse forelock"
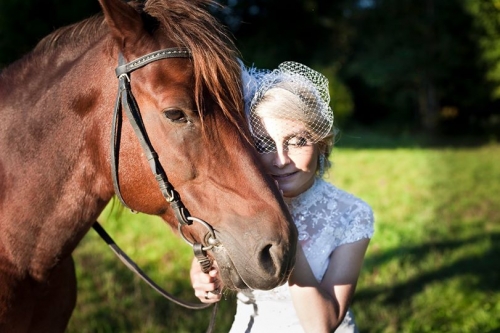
[[188, 23]]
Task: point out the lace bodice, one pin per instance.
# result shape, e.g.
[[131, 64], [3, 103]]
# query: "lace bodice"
[[326, 217]]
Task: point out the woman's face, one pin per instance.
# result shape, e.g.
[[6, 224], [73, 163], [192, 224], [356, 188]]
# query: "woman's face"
[[293, 160]]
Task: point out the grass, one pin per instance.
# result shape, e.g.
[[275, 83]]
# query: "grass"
[[432, 265]]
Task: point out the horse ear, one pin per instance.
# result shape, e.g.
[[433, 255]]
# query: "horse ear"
[[123, 20]]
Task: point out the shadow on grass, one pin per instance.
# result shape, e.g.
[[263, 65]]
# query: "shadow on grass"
[[485, 268]]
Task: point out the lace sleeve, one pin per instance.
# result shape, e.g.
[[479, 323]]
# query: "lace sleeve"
[[327, 217], [360, 221]]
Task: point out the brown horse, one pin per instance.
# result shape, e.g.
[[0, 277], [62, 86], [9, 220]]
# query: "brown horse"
[[56, 108]]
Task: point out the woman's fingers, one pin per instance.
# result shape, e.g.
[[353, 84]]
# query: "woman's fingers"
[[206, 285], [209, 296]]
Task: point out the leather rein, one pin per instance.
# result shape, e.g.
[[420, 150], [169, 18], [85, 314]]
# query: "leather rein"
[[125, 100]]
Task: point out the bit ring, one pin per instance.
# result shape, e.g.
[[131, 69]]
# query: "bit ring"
[[212, 240]]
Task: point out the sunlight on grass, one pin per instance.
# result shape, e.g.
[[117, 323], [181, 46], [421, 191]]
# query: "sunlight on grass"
[[437, 232], [432, 265]]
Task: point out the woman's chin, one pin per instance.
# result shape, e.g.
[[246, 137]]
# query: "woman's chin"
[[287, 193]]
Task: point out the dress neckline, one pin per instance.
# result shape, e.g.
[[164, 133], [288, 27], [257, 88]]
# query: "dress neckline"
[[293, 201]]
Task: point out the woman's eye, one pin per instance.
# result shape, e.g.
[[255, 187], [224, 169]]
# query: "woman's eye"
[[265, 145], [177, 116], [297, 141]]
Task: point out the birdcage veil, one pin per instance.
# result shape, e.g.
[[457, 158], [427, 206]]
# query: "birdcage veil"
[[305, 93]]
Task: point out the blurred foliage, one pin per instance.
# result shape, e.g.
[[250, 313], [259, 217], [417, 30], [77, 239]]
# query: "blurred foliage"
[[24, 22], [430, 66], [487, 33], [411, 65]]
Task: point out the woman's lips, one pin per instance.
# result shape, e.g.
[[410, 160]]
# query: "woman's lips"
[[284, 176]]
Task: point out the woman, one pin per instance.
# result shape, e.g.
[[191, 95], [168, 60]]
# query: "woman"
[[292, 126]]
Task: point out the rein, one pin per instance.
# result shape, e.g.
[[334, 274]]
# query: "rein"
[[125, 100]]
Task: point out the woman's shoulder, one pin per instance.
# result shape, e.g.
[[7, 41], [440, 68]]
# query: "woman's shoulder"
[[355, 214], [352, 209], [341, 196], [326, 199]]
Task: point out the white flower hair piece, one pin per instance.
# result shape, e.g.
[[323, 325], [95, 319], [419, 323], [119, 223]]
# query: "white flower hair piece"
[[251, 78]]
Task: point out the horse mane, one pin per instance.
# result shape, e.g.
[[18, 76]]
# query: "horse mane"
[[189, 24], [214, 54]]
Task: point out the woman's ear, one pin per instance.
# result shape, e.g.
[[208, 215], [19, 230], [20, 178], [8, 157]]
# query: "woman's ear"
[[322, 148]]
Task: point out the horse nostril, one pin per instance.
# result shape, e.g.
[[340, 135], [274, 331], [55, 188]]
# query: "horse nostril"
[[267, 259]]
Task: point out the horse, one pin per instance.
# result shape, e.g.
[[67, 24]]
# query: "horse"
[[58, 169]]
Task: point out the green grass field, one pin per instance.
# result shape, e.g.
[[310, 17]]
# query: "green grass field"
[[432, 266]]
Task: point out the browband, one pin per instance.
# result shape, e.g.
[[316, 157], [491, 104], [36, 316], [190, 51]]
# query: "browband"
[[174, 52]]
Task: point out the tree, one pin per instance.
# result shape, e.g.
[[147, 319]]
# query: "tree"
[[405, 64], [313, 32], [418, 59]]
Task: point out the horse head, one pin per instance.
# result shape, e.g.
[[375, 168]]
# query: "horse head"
[[192, 111]]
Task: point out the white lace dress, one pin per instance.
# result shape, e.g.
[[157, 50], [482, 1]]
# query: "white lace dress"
[[326, 217]]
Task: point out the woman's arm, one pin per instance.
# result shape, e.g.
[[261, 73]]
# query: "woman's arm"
[[321, 307]]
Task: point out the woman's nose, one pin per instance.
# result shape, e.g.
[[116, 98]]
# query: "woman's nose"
[[281, 158]]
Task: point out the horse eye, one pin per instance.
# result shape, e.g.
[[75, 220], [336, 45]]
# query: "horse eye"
[[177, 116]]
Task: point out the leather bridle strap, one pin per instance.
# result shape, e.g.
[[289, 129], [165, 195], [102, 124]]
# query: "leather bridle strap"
[[136, 269], [174, 52], [126, 99]]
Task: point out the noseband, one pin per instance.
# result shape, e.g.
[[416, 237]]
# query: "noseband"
[[125, 99]]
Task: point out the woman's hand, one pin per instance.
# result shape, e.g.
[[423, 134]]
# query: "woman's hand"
[[207, 286]]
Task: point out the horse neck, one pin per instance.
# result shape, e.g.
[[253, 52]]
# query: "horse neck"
[[54, 146]]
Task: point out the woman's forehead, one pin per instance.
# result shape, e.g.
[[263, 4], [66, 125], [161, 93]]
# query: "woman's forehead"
[[280, 127]]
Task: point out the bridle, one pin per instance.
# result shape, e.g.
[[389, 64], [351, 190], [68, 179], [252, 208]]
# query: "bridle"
[[125, 99]]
